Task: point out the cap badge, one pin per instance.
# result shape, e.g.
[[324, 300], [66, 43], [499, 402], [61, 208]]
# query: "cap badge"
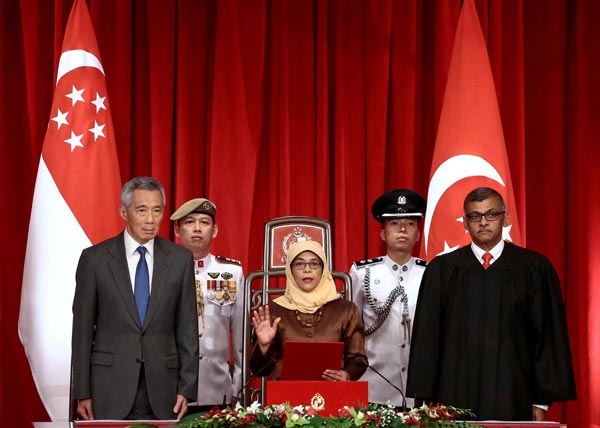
[[401, 200], [206, 206]]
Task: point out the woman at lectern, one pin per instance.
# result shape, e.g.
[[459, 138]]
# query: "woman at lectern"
[[311, 309]]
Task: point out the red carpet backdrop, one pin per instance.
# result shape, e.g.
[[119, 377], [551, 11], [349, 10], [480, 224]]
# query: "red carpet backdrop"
[[299, 107]]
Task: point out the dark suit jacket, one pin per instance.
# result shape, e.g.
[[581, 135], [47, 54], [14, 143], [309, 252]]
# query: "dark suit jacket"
[[109, 344]]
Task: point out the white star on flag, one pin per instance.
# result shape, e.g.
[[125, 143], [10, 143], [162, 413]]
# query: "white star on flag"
[[82, 113], [99, 102], [76, 95], [61, 118], [506, 232], [74, 141], [448, 248], [97, 130]]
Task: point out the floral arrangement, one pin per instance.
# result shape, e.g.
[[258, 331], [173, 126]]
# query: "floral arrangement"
[[372, 416]]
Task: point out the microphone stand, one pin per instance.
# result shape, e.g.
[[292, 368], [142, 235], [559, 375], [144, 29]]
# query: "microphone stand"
[[403, 407]]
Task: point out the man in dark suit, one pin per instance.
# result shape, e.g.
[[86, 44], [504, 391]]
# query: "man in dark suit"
[[135, 332], [490, 333]]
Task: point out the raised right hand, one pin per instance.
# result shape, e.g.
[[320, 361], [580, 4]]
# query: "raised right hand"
[[265, 331]]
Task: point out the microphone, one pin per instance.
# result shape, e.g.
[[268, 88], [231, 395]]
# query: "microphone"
[[354, 355], [255, 375], [403, 407]]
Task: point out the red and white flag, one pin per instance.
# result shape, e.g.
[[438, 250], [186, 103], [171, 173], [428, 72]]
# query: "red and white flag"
[[75, 205], [469, 149]]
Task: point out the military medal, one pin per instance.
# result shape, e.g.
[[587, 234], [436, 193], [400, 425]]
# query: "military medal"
[[225, 291], [226, 276], [219, 293], [232, 290], [211, 285]]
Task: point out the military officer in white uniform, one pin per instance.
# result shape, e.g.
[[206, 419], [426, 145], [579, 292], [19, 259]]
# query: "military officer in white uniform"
[[385, 289], [219, 299]]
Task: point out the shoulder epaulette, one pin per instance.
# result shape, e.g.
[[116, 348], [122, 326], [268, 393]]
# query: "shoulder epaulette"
[[367, 262], [421, 262], [228, 260]]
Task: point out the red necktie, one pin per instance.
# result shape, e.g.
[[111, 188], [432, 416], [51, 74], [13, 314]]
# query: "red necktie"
[[486, 260]]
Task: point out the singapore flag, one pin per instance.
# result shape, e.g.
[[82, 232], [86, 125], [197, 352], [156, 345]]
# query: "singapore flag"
[[469, 149], [75, 205]]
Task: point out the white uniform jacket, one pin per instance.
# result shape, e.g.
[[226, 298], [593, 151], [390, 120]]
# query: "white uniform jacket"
[[219, 297], [388, 347]]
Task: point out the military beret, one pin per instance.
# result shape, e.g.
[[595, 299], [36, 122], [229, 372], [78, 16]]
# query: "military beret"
[[397, 204], [198, 205]]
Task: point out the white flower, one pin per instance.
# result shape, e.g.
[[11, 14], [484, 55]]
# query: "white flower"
[[254, 407]]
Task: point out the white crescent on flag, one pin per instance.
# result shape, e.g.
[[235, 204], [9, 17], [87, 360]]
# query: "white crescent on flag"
[[71, 60], [450, 172]]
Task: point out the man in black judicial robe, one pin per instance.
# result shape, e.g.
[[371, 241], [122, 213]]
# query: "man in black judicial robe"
[[491, 336]]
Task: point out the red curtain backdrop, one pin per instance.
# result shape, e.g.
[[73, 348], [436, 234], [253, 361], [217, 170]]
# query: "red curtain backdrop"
[[297, 107]]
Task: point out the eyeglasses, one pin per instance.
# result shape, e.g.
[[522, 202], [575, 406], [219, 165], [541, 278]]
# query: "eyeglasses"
[[314, 265], [491, 215]]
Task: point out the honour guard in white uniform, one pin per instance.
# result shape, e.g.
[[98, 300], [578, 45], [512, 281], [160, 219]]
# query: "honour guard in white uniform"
[[385, 289], [219, 298]]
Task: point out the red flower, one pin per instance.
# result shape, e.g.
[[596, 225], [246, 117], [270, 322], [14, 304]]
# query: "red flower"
[[412, 421], [249, 418], [215, 411], [344, 412]]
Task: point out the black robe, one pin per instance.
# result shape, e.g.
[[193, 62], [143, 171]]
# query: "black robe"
[[493, 341]]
